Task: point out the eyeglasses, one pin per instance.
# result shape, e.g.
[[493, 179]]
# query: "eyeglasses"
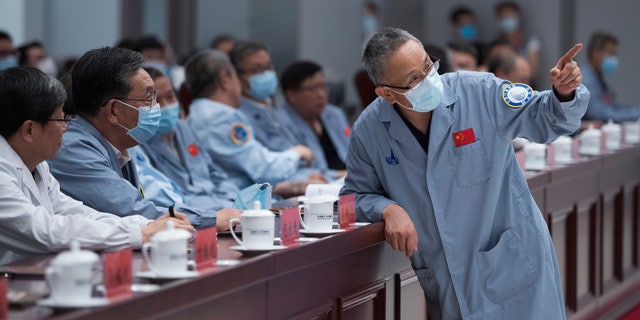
[[256, 69], [154, 98], [314, 87], [67, 119], [416, 80]]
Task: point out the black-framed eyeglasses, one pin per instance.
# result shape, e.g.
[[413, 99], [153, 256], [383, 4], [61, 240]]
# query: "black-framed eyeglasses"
[[154, 98], [66, 120], [434, 66]]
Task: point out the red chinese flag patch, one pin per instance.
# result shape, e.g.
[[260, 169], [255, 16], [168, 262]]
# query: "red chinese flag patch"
[[347, 131], [193, 149], [463, 137]]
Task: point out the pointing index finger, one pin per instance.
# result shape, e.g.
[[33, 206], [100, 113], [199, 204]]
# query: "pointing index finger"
[[567, 57]]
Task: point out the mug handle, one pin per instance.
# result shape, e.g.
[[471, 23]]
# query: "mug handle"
[[49, 274], [145, 255], [233, 233], [302, 208]]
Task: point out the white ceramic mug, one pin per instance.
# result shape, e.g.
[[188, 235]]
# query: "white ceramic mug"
[[70, 275], [631, 132], [613, 135], [536, 157], [168, 251], [562, 149], [318, 213], [590, 141], [258, 228]]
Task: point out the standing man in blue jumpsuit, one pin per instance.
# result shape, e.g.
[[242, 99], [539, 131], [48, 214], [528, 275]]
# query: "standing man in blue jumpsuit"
[[432, 157], [226, 134], [314, 122]]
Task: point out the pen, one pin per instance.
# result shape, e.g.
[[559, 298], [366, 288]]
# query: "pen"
[[171, 213]]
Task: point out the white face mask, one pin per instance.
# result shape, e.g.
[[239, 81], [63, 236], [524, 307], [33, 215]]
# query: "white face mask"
[[48, 66], [426, 95]]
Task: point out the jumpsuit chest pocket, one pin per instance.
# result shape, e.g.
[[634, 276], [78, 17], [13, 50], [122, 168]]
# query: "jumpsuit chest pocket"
[[470, 164]]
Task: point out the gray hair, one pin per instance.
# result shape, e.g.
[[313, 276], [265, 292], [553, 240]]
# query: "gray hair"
[[203, 71], [382, 45]]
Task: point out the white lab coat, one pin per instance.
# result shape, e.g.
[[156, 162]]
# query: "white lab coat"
[[36, 217]]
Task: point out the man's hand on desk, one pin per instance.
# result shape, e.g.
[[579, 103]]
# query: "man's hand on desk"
[[399, 230], [223, 216], [180, 221]]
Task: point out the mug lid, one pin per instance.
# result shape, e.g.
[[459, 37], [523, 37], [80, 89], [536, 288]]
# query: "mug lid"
[[591, 131], [171, 233], [75, 256], [562, 139], [611, 127], [322, 198], [535, 146], [257, 211]]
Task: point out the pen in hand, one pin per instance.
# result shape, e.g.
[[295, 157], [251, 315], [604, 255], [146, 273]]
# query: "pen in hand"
[[172, 214]]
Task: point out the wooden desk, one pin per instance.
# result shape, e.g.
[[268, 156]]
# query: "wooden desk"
[[592, 209]]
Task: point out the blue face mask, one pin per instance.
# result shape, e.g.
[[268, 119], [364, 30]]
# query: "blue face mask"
[[509, 23], [468, 32], [148, 119], [609, 64], [426, 95], [369, 23], [263, 85], [168, 118], [8, 62]]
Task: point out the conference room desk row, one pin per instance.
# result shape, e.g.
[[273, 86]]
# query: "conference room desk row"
[[592, 208]]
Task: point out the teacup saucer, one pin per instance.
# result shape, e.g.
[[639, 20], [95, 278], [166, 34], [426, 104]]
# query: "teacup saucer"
[[92, 302], [152, 275], [252, 251], [321, 232]]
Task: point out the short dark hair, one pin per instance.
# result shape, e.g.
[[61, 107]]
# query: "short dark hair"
[[458, 12], [203, 71], [5, 35], [507, 4], [599, 40], [27, 94], [220, 39], [465, 47], [22, 51], [504, 62], [154, 72], [296, 73], [242, 49], [149, 42], [101, 74]]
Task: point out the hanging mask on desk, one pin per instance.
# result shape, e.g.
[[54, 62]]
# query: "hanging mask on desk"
[[256, 192]]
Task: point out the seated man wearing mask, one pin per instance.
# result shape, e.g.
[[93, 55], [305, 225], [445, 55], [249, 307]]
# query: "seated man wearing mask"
[[226, 134], [315, 123], [115, 102], [252, 62], [37, 217], [175, 152], [603, 62]]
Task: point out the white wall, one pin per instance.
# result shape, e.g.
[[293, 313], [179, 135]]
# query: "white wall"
[[76, 26], [12, 13], [329, 31]]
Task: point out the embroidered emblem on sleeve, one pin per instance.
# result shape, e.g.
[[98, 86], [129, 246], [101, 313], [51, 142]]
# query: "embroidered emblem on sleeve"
[[239, 133], [517, 95]]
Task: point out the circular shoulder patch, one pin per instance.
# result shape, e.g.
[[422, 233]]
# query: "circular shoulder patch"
[[239, 133], [517, 95]]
